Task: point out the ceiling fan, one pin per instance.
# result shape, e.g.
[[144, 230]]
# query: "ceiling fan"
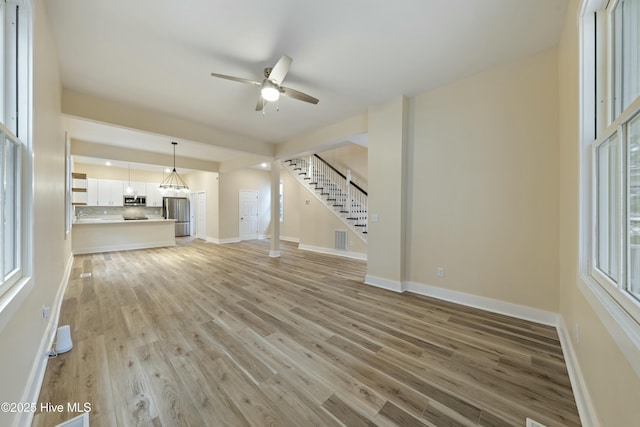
[[270, 87]]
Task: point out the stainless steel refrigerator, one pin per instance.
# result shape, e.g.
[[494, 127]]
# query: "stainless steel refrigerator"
[[177, 208]]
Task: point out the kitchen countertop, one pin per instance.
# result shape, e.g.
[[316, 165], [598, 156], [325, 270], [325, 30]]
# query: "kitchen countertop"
[[82, 221]]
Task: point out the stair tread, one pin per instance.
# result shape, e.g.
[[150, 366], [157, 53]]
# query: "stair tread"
[[336, 196]]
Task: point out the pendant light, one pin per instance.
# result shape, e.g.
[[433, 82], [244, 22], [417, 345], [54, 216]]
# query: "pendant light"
[[129, 189], [173, 182]]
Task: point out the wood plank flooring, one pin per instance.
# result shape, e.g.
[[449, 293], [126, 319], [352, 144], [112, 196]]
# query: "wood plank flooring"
[[222, 335]]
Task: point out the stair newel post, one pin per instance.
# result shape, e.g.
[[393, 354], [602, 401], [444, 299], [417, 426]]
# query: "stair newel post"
[[310, 164]]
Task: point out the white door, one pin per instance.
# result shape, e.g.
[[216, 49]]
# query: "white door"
[[193, 202], [201, 216], [248, 214]]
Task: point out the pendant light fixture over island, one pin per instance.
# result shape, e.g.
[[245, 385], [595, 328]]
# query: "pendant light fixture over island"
[[173, 182]]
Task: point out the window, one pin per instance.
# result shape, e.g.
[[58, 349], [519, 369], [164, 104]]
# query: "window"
[[14, 130], [615, 242]]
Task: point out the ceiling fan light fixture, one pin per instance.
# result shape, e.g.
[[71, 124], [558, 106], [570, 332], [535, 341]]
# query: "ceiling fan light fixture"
[[270, 93]]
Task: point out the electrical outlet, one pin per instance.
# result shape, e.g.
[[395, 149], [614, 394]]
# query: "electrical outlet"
[[46, 312], [440, 272]]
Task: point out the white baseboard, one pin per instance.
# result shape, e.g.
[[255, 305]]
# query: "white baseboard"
[[489, 304], [128, 247], [587, 414], [228, 240], [379, 282], [274, 254], [290, 239], [222, 241], [330, 251], [36, 377]]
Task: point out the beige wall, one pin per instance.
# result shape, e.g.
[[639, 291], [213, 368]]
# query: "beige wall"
[[290, 226], [21, 338], [388, 140], [323, 138], [208, 182], [230, 184], [484, 201], [318, 223], [351, 157], [612, 385]]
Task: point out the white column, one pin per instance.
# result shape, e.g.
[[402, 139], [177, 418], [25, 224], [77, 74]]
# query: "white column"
[[274, 251]]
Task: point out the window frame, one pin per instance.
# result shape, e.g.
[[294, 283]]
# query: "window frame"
[[619, 312], [16, 86]]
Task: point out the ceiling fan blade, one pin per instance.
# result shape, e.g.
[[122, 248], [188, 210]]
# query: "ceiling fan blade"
[[292, 93], [260, 103], [237, 79], [280, 70]]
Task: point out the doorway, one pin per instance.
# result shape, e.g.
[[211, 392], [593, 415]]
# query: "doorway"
[[248, 214]]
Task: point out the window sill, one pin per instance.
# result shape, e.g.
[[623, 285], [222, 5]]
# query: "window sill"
[[11, 301], [622, 327]]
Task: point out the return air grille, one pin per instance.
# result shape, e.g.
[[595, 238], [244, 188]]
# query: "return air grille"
[[340, 240]]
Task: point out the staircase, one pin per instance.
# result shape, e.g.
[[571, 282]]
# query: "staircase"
[[335, 190]]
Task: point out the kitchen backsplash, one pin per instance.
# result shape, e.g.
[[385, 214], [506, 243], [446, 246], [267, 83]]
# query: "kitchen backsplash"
[[99, 211]]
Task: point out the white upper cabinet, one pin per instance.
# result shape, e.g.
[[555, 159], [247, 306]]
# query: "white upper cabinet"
[[154, 198], [111, 192], [92, 192]]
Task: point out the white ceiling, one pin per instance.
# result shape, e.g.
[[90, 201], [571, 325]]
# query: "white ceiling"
[[158, 54]]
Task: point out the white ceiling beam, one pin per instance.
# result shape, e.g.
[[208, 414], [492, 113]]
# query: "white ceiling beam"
[[102, 110]]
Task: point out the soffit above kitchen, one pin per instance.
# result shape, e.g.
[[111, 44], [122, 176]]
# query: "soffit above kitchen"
[[158, 55]]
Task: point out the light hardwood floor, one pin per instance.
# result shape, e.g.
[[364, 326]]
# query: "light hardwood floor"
[[222, 335]]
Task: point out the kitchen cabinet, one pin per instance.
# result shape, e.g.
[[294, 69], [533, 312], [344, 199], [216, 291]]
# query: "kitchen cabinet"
[[110, 192], [154, 198], [139, 188], [104, 192], [92, 192]]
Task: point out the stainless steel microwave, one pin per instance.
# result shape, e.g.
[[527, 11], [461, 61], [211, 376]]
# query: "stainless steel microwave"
[[135, 201]]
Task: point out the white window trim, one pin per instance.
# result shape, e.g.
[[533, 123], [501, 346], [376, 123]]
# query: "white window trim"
[[14, 297], [622, 326]]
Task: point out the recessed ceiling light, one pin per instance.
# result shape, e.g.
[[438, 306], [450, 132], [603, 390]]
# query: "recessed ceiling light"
[[167, 170], [108, 163], [264, 165]]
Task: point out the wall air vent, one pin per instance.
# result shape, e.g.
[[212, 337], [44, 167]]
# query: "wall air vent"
[[340, 240]]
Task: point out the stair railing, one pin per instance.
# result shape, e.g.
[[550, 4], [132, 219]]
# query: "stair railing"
[[337, 189]]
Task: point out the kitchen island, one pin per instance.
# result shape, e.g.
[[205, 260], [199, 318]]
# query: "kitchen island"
[[94, 235]]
